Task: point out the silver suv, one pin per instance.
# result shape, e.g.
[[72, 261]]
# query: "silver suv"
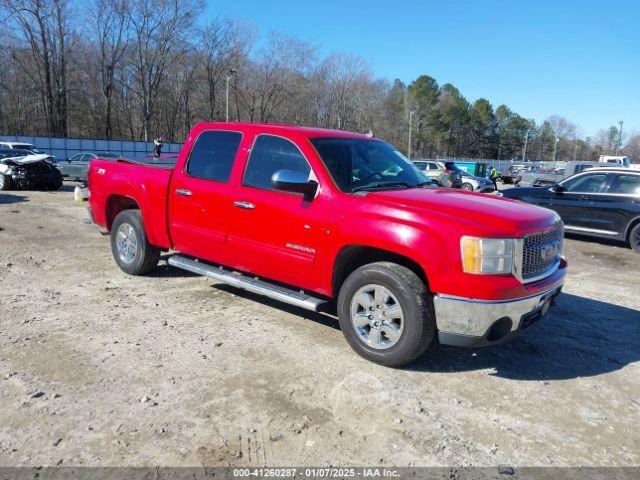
[[447, 174]]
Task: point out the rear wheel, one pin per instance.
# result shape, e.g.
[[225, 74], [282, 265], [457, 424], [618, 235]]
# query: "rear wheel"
[[5, 182], [129, 244], [634, 238], [386, 313], [467, 186]]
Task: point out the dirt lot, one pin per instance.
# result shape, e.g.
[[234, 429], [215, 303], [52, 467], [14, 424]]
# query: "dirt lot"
[[100, 368]]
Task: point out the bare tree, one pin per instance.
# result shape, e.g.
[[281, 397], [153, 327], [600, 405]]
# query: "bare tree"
[[43, 26], [271, 80], [223, 44], [159, 28], [110, 23]]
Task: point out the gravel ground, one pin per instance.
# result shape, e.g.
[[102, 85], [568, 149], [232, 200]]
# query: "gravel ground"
[[99, 368]]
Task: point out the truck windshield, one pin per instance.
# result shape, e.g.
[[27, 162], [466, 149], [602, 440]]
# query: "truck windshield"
[[359, 164]]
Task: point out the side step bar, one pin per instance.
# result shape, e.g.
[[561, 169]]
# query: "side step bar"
[[251, 284]]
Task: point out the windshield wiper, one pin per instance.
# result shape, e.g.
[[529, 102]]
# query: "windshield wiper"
[[373, 186]]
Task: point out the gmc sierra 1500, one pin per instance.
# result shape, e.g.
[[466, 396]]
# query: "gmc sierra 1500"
[[307, 216]]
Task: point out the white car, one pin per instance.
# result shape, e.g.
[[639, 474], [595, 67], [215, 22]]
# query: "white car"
[[22, 146], [472, 183]]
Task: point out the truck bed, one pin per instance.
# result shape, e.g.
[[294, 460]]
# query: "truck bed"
[[167, 163], [113, 183]]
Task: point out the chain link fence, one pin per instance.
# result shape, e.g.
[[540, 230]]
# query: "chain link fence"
[[65, 148]]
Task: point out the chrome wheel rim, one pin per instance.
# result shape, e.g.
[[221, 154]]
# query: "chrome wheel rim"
[[376, 316], [126, 243], [468, 187], [636, 238]]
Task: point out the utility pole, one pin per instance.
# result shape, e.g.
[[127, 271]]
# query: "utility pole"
[[555, 148], [232, 72], [411, 112], [575, 150], [526, 141], [619, 137]]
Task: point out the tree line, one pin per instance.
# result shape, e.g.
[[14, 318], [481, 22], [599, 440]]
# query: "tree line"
[[137, 69]]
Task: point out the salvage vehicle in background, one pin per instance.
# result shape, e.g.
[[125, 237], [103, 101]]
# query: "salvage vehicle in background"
[[306, 216], [77, 167], [512, 173], [447, 174], [613, 160], [21, 146], [23, 169], [472, 183], [545, 176], [600, 202]]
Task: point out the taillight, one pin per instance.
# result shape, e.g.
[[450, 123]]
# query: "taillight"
[[447, 172]]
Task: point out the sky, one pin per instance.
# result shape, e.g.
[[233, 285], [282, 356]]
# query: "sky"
[[578, 59]]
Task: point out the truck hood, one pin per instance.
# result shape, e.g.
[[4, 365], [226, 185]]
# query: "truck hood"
[[500, 215]]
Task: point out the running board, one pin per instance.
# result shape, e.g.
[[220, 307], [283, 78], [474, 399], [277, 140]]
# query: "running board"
[[251, 284]]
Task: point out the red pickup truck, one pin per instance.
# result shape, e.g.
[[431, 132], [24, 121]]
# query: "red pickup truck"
[[310, 216]]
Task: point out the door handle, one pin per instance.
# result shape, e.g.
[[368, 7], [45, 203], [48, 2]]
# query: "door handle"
[[183, 192], [245, 205]]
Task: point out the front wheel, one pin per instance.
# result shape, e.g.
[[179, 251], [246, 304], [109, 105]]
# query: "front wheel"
[[634, 238], [129, 244], [467, 187], [386, 313]]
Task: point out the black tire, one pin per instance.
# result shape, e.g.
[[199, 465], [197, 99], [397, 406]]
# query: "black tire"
[[466, 186], [145, 256], [634, 238], [5, 182], [418, 326]]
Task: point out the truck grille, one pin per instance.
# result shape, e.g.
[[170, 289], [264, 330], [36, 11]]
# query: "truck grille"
[[540, 251]]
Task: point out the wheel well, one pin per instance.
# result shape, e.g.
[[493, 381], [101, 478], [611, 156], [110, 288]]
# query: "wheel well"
[[116, 204], [355, 256], [633, 223]]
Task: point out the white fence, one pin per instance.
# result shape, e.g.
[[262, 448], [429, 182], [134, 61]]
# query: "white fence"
[[64, 148]]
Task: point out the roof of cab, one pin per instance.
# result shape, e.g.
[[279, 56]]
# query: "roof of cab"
[[613, 169], [275, 128]]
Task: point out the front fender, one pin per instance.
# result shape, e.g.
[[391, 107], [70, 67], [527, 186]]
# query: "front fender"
[[398, 232]]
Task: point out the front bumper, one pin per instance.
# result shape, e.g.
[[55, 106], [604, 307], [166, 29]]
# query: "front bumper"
[[467, 322], [35, 180]]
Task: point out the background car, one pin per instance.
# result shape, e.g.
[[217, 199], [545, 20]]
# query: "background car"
[[512, 173], [447, 174], [76, 167], [24, 169], [599, 202], [21, 146], [472, 183]]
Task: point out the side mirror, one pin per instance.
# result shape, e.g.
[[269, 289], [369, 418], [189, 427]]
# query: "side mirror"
[[558, 189], [294, 181]]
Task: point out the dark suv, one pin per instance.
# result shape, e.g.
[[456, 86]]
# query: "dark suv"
[[599, 202]]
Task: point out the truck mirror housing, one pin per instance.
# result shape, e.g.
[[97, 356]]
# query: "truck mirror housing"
[[294, 181]]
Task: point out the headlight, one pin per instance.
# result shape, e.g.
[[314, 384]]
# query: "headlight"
[[488, 256]]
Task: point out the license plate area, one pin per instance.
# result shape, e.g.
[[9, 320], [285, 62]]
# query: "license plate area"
[[528, 319]]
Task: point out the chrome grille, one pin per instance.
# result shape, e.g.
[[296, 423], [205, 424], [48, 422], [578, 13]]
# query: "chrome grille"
[[540, 251]]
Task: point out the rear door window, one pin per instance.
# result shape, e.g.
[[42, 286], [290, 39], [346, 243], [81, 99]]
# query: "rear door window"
[[625, 185], [213, 154], [268, 155]]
